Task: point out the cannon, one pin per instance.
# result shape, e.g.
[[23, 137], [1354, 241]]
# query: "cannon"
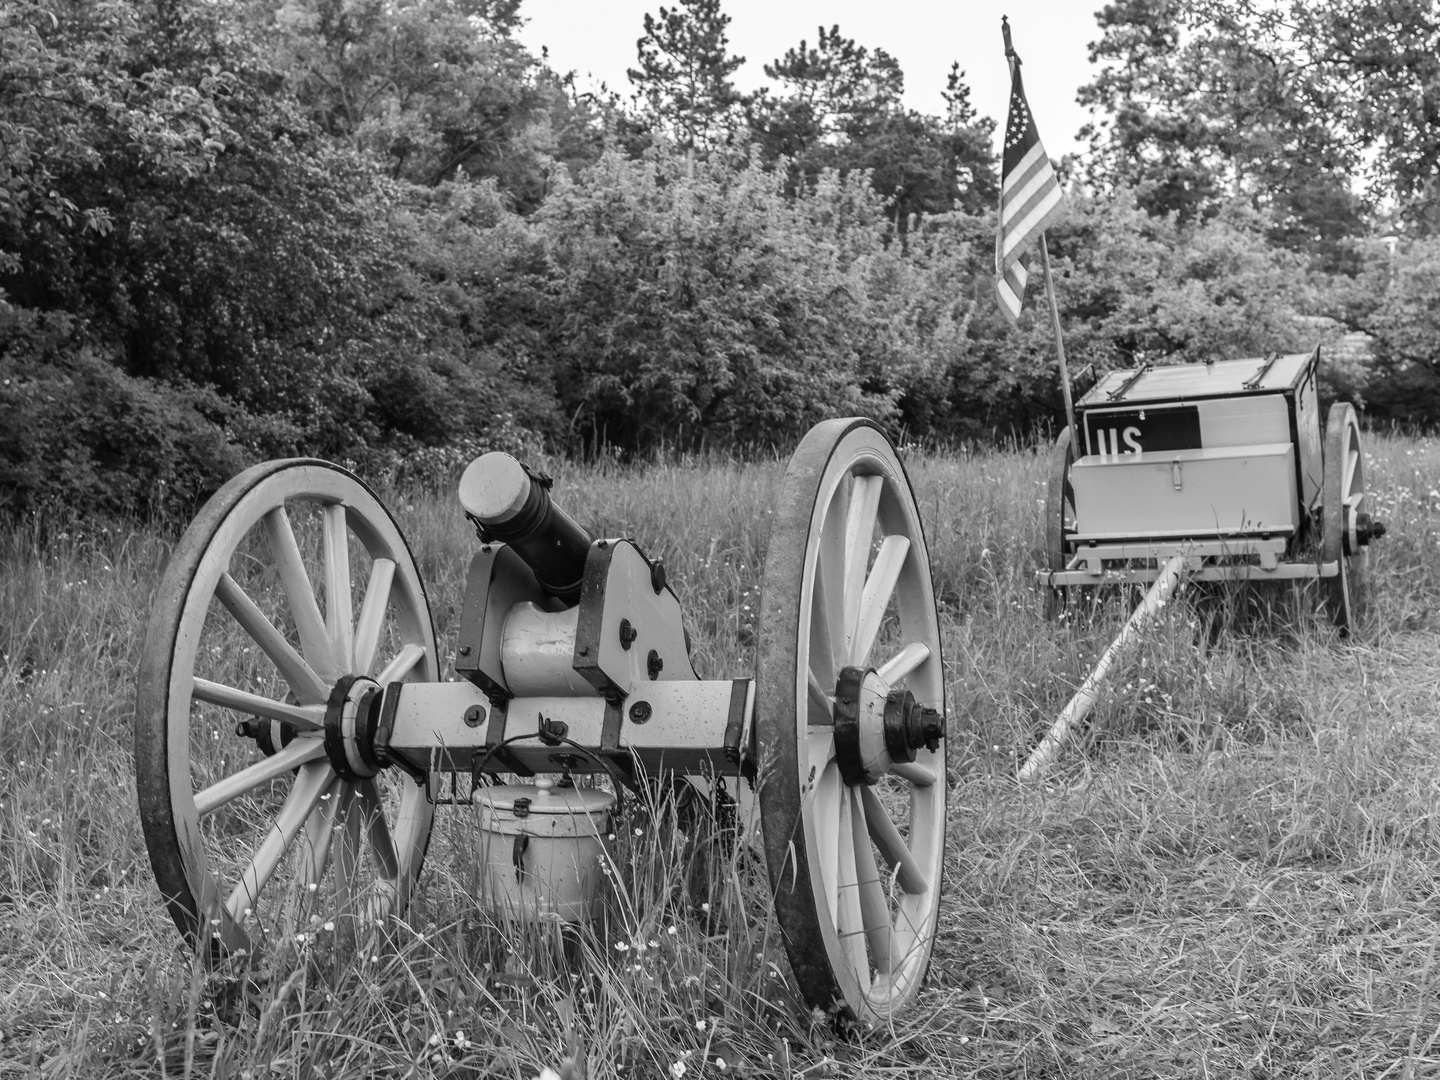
[[1204, 472], [295, 725]]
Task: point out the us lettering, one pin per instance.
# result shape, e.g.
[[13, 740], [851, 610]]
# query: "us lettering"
[[1110, 442]]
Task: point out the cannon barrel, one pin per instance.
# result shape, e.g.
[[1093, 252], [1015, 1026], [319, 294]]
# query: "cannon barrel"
[[511, 505]]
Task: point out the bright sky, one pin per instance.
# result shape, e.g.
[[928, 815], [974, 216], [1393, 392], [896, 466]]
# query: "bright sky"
[[597, 37]]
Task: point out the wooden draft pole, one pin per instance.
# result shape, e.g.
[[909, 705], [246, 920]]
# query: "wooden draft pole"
[[1080, 705]]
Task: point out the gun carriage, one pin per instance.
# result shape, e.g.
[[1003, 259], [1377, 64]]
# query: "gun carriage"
[[294, 728]]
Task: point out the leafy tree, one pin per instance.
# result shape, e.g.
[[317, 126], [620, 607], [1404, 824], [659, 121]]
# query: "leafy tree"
[[1201, 107], [830, 91], [684, 75], [1286, 104], [968, 141], [691, 304], [840, 107], [431, 88], [1380, 61]]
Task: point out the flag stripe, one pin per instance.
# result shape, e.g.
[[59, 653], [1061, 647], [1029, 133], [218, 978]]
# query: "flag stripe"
[[1030, 200], [1037, 219], [1037, 185], [1010, 287], [1035, 161]]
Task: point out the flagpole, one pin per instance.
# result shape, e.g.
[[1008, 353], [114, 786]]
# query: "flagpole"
[[1014, 58], [1059, 342]]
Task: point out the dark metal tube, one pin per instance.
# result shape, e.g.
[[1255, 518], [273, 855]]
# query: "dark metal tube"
[[511, 505]]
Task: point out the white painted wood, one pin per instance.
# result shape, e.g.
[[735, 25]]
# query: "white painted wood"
[[1178, 382], [893, 848], [304, 717], [285, 551], [1080, 705], [404, 662], [312, 782], [372, 614], [879, 588], [304, 683], [339, 611], [263, 771], [1225, 491]]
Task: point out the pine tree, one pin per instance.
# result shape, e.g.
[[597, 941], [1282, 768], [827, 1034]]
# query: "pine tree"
[[684, 75]]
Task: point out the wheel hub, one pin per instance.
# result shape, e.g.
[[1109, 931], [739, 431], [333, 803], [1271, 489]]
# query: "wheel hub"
[[351, 716], [878, 726], [1360, 529]]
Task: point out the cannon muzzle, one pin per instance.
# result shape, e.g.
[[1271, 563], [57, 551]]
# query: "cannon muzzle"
[[510, 504]]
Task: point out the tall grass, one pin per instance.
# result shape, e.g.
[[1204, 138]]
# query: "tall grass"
[[1232, 873]]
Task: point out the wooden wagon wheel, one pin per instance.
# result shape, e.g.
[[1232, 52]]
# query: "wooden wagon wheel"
[[1347, 526], [1059, 518], [264, 806], [850, 714]]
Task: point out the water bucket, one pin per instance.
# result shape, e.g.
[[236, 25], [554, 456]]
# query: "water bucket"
[[543, 847]]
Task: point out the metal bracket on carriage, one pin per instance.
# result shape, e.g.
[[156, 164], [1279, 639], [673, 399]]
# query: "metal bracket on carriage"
[[442, 766]]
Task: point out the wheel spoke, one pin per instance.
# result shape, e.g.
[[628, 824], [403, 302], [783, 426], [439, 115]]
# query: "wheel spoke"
[[920, 775], [820, 747], [904, 662], [308, 687], [381, 842], [372, 614], [302, 717], [827, 604], [262, 772], [859, 536], [822, 708], [312, 853], [313, 844], [348, 824], [874, 907], [849, 919], [339, 615], [826, 796], [892, 845], [314, 640], [879, 587], [404, 663], [310, 784]]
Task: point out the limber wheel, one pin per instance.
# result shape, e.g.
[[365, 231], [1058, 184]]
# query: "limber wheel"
[[289, 602], [850, 715], [1347, 526], [1059, 518]]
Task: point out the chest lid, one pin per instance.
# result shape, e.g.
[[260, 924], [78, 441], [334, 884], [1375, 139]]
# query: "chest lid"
[[1182, 382]]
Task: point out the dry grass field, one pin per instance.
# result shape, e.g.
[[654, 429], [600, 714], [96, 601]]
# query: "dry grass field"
[[1234, 873]]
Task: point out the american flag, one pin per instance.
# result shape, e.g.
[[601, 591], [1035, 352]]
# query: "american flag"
[[1029, 200]]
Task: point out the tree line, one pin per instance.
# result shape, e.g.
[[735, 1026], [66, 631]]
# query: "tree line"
[[382, 231]]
